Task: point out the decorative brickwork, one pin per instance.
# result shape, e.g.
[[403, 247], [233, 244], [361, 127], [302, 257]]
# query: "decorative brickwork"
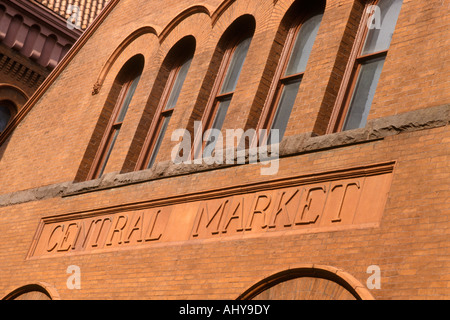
[[338, 207]]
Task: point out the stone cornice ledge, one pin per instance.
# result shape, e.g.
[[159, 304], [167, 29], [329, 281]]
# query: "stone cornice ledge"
[[376, 129]]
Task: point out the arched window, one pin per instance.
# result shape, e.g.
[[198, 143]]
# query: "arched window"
[[301, 25], [370, 51], [289, 75], [119, 99], [237, 38], [7, 111], [175, 67]]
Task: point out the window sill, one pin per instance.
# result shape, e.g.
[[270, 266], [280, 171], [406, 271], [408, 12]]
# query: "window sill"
[[375, 130]]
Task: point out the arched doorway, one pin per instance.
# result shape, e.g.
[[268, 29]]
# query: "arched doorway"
[[308, 283], [39, 291]]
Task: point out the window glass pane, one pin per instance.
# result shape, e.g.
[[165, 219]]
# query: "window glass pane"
[[108, 153], [303, 45], [5, 115], [178, 84], [158, 143], [379, 39], [363, 94], [221, 113], [236, 64], [127, 99], [284, 109], [218, 123]]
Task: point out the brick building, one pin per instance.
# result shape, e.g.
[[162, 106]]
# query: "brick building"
[[235, 150], [34, 37]]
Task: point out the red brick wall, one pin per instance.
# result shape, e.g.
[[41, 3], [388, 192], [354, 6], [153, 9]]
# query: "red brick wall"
[[48, 146]]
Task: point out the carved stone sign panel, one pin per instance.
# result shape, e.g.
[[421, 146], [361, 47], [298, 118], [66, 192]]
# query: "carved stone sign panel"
[[339, 200]]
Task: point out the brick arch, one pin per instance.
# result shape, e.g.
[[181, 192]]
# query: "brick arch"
[[220, 10], [349, 287], [35, 291], [181, 17], [14, 94], [193, 21], [116, 54]]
